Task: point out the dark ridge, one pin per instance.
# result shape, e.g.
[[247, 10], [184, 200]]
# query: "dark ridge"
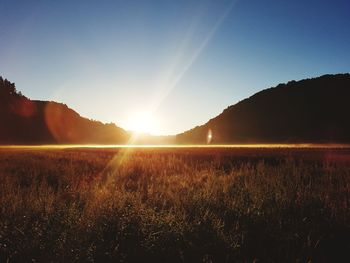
[[308, 111], [25, 121]]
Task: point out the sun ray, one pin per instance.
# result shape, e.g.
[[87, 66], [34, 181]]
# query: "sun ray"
[[172, 81]]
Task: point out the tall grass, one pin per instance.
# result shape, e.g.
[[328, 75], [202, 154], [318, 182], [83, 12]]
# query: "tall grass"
[[174, 205]]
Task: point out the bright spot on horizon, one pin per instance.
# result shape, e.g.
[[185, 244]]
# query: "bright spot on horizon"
[[209, 136], [142, 122]]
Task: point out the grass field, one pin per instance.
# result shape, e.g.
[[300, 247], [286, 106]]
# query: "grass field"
[[175, 204]]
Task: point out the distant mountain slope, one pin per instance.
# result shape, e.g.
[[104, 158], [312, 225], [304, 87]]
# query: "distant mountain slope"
[[307, 111], [25, 121]]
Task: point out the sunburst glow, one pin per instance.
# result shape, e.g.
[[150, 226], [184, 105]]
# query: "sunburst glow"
[[142, 122]]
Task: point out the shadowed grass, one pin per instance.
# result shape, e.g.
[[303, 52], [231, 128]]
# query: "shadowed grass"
[[174, 205]]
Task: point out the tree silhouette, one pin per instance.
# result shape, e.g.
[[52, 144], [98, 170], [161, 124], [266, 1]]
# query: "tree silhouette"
[[25, 121], [307, 111]]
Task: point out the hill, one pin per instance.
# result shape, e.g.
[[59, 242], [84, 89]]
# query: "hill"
[[307, 111], [25, 121]]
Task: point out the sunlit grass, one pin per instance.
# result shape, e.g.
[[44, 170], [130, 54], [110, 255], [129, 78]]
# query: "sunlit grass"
[[116, 146], [174, 204]]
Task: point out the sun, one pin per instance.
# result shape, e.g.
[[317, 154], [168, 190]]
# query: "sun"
[[142, 122]]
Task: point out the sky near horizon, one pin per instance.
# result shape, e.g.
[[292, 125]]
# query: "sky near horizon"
[[182, 62]]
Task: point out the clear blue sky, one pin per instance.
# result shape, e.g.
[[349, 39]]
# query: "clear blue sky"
[[184, 61]]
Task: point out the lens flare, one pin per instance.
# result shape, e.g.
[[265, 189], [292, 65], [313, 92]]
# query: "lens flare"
[[209, 136]]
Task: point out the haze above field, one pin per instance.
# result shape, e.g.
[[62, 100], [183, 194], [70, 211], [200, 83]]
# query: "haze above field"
[[174, 63]]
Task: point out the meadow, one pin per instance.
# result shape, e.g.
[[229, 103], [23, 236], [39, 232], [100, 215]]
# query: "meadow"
[[175, 204]]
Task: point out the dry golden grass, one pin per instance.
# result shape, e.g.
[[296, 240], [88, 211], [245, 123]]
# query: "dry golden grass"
[[174, 205]]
